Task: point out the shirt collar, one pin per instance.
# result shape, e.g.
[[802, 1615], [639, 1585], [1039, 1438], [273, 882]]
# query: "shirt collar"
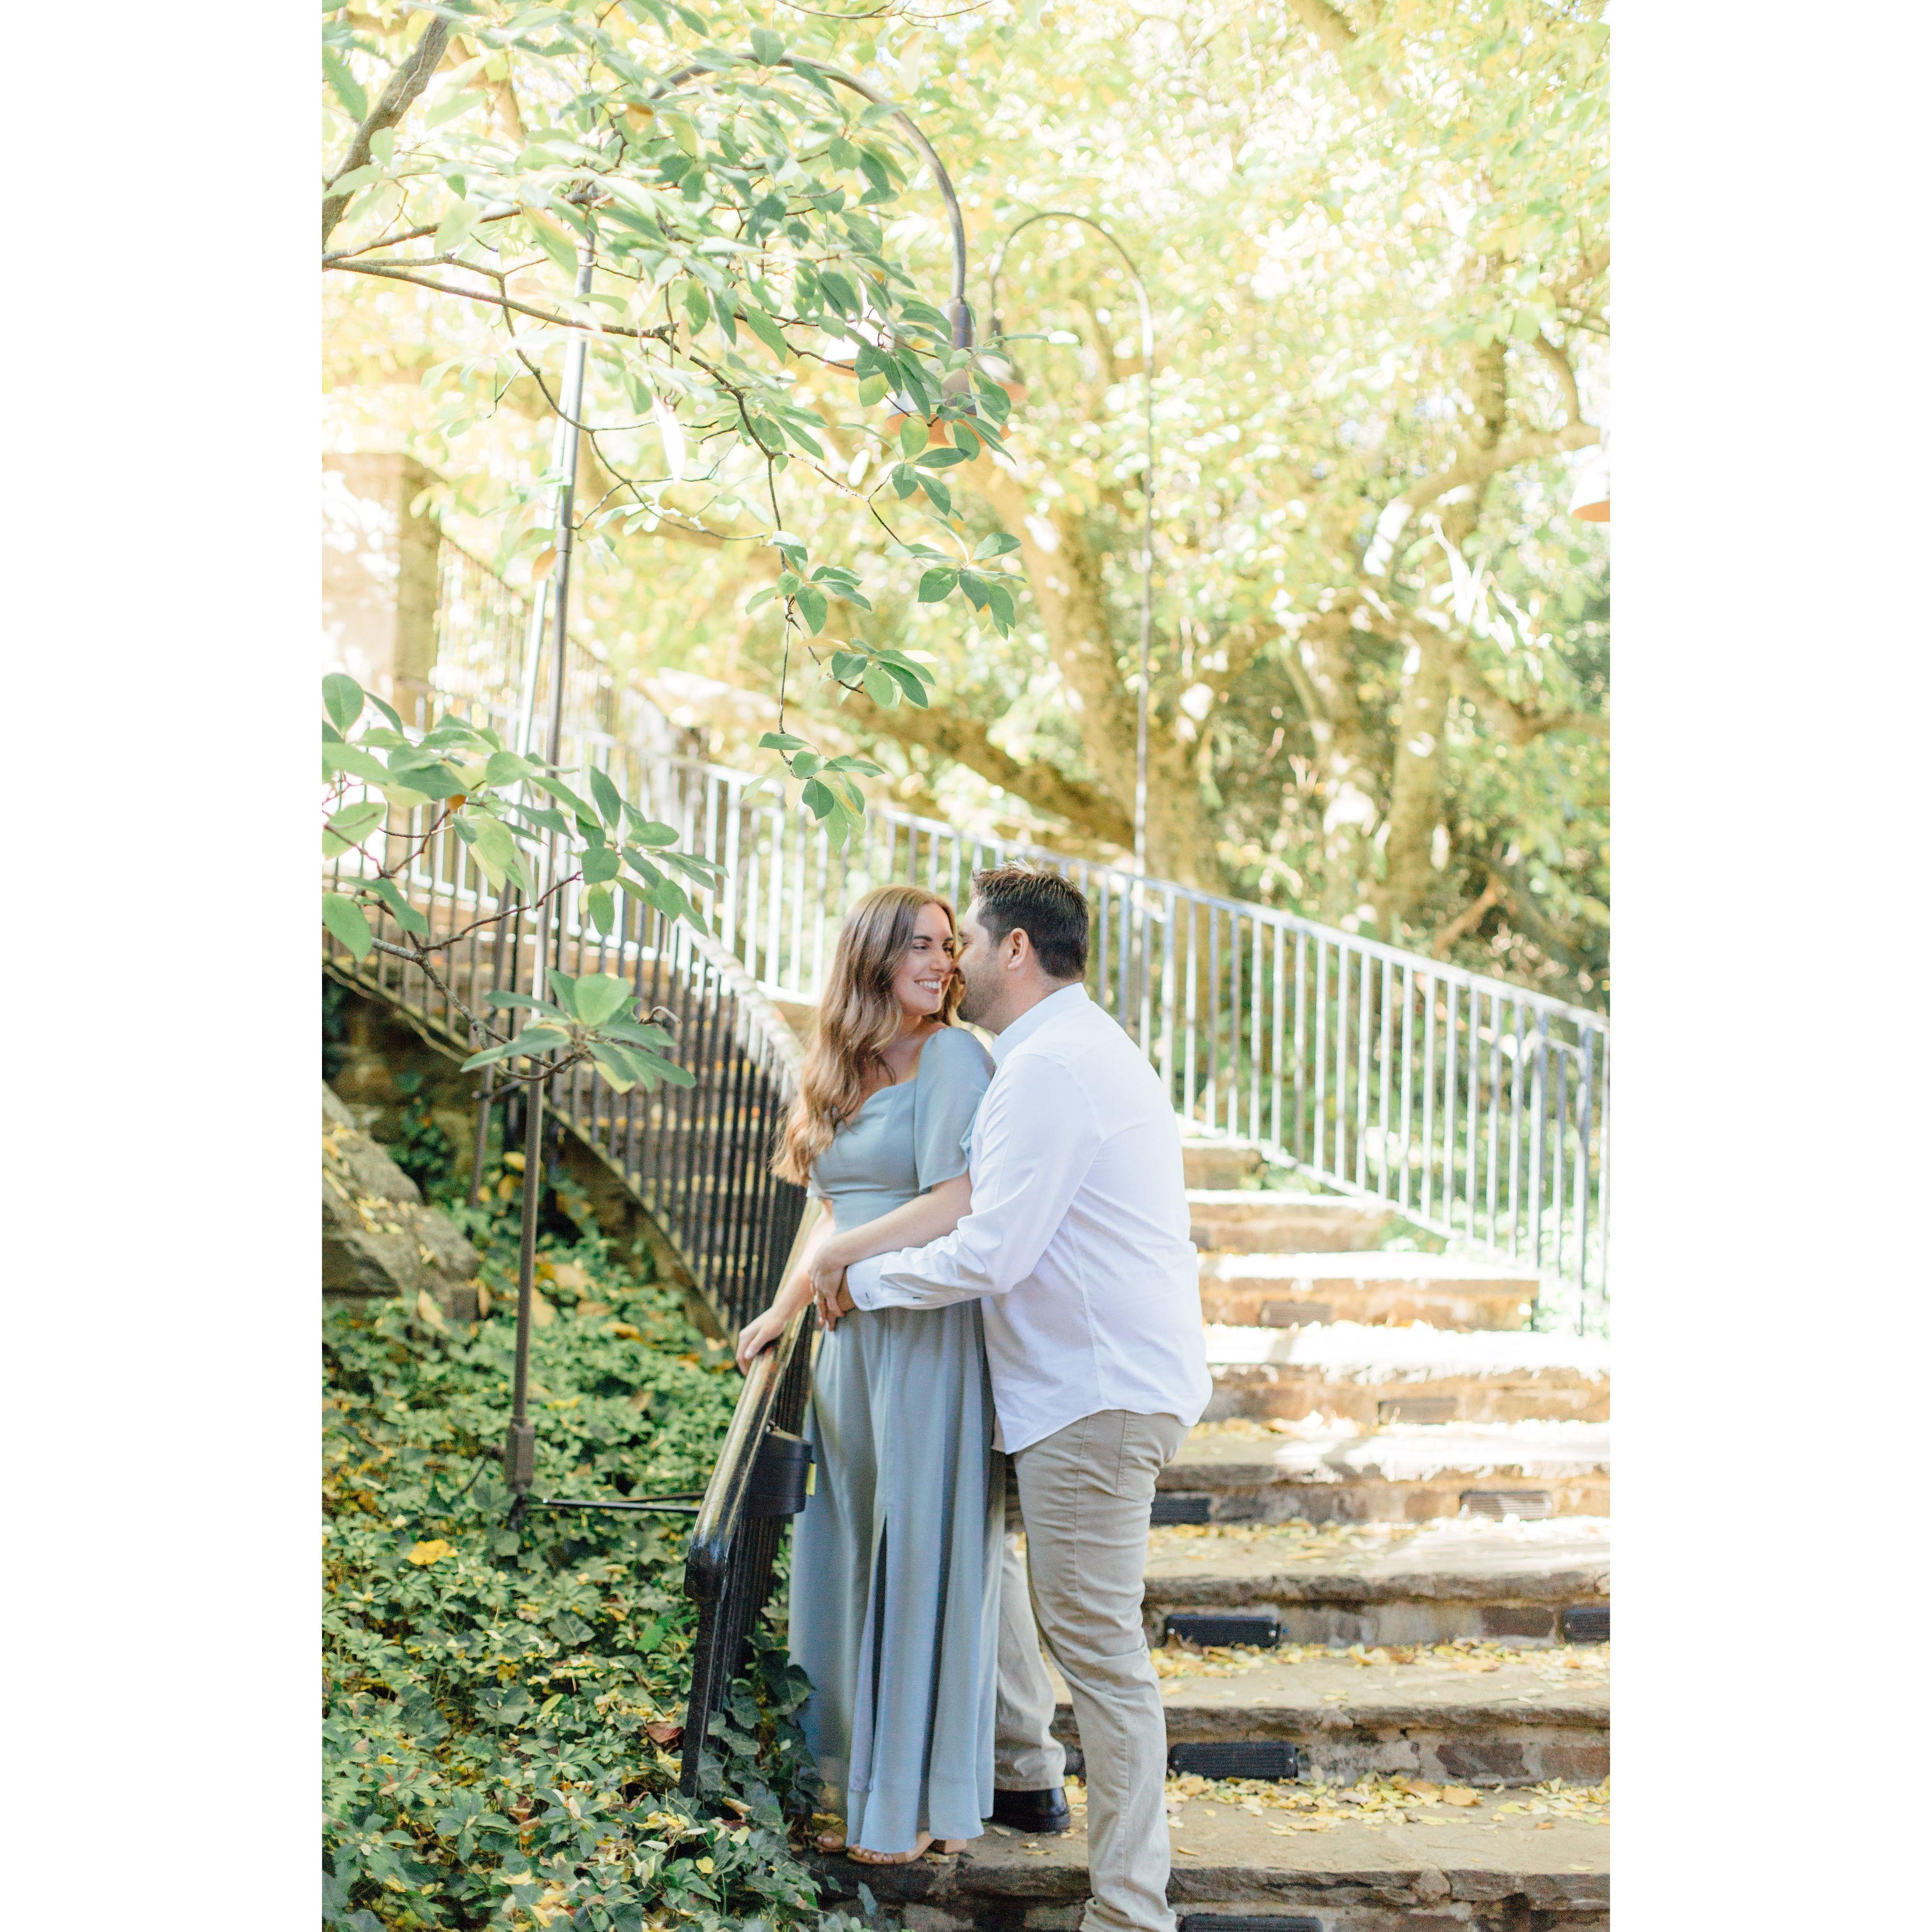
[[1031, 1021]]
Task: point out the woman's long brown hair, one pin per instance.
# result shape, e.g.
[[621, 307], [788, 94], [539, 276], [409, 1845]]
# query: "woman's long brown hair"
[[858, 1019]]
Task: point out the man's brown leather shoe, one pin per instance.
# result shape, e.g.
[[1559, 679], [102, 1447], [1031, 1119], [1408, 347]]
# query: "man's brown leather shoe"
[[1032, 1811]]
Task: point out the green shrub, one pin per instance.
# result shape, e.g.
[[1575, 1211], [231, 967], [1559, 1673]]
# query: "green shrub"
[[487, 1689]]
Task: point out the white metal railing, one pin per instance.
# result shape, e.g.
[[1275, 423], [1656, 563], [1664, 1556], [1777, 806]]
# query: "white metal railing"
[[1479, 1109]]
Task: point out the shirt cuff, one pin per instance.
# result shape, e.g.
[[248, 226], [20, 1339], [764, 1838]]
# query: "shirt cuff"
[[863, 1280]]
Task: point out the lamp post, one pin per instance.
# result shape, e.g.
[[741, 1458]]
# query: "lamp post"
[[520, 1442], [1147, 493]]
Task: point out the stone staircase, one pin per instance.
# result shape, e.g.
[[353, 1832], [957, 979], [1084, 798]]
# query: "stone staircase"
[[1378, 1595]]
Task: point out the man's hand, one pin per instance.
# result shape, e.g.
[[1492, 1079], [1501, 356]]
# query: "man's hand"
[[836, 1301], [827, 1272]]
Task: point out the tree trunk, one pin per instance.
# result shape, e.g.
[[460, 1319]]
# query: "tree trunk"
[[1063, 573], [1415, 785]]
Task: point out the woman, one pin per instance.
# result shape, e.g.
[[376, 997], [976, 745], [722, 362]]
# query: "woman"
[[895, 1569]]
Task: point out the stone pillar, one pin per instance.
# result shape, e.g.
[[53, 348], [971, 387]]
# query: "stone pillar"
[[379, 578]]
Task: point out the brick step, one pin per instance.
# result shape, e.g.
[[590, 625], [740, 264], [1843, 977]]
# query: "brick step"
[[1213, 1163], [1261, 1221], [1492, 1723], [1373, 1376], [1453, 1869], [1379, 1285], [1403, 1473], [1457, 1579]]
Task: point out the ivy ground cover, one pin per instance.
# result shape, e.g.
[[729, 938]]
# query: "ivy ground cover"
[[502, 1705]]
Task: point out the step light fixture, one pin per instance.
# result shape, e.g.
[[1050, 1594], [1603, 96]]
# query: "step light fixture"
[[1587, 1623], [1262, 1758], [1259, 1922], [1431, 1409], [1175, 1506], [1261, 1628], [1529, 1504]]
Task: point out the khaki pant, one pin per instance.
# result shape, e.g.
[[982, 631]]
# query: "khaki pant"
[[1084, 1496]]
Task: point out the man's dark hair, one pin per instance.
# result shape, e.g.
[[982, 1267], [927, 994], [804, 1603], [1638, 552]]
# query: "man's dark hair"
[[1044, 906]]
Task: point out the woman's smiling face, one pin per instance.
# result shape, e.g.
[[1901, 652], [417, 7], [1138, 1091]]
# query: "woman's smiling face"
[[919, 979]]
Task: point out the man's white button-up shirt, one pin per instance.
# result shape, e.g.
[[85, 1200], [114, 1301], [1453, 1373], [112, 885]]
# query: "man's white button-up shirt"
[[1077, 1238]]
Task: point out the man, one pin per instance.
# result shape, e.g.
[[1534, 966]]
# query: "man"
[[1077, 1243]]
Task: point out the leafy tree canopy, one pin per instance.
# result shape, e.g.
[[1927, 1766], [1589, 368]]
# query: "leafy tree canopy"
[[1375, 239]]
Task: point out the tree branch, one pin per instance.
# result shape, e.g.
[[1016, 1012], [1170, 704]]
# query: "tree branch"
[[390, 273], [1467, 920], [1330, 26], [965, 741], [406, 83], [1566, 376]]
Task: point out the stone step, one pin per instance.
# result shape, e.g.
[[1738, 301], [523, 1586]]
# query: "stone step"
[[1458, 1580], [1401, 1473], [1262, 1221], [1373, 1376], [1378, 1285], [1239, 1855], [1208, 1163], [1476, 1720]]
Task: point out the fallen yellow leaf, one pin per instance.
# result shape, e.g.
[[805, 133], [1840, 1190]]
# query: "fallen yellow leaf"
[[1460, 1794], [432, 1551]]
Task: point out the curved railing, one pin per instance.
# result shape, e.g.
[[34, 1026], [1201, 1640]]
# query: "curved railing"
[[1479, 1109]]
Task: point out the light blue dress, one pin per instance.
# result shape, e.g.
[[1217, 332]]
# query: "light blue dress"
[[895, 1560]]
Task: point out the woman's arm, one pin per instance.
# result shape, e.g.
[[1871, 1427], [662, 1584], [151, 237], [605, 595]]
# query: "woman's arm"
[[758, 1335], [925, 1218]]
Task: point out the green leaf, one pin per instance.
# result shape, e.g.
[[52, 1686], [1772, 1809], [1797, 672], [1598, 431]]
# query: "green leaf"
[[600, 996], [353, 821], [913, 436], [453, 229], [766, 47], [406, 916], [345, 920], [937, 583], [651, 831], [811, 606], [601, 864], [494, 850], [610, 803], [817, 799], [345, 86], [562, 793], [881, 687], [563, 990], [998, 544], [342, 698], [941, 496], [912, 684], [505, 768], [780, 741], [766, 330], [602, 909]]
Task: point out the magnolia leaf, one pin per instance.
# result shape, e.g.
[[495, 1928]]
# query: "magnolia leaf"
[[342, 699], [406, 916], [881, 687], [346, 923], [600, 995], [609, 802]]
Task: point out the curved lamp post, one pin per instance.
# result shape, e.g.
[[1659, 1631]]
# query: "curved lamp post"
[[519, 1444], [1147, 494]]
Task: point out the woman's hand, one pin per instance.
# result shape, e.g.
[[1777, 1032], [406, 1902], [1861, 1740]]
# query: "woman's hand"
[[828, 1272], [756, 1336]]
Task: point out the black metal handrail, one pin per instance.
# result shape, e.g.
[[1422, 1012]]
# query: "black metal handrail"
[[729, 1564]]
